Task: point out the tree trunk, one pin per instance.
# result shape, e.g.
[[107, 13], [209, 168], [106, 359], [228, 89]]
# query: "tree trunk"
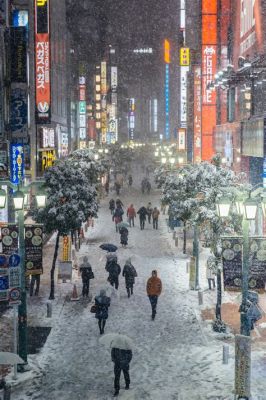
[[185, 238], [219, 296], [51, 297]]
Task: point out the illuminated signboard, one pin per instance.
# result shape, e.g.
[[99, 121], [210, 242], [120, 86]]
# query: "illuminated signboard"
[[209, 61], [183, 96], [131, 119], [184, 56], [166, 51], [20, 18], [167, 103], [103, 101], [197, 115], [17, 163], [42, 62]]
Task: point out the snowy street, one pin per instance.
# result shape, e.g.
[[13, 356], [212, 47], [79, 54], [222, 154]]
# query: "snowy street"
[[174, 358]]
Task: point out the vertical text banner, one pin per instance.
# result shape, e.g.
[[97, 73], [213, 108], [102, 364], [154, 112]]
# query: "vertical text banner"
[[209, 61], [16, 163], [42, 62], [197, 115]]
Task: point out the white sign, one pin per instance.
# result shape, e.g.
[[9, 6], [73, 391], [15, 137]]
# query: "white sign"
[[183, 95], [82, 121], [113, 79], [82, 133]]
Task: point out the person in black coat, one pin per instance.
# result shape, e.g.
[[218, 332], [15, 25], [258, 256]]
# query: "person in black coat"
[[129, 273], [142, 216], [121, 359], [123, 236], [102, 303], [114, 271], [86, 276], [112, 206]]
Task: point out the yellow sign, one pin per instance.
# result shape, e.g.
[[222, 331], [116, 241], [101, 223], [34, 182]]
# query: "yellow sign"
[[166, 51], [184, 56], [47, 159], [66, 256], [41, 3]]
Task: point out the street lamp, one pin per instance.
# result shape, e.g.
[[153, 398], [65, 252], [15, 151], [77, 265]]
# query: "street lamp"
[[223, 206], [18, 199], [96, 157], [172, 160], [164, 159]]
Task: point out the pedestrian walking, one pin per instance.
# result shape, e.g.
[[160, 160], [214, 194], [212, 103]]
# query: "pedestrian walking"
[[114, 270], [119, 203], [143, 185], [35, 279], [142, 216], [106, 186], [155, 217], [210, 277], [130, 273], [118, 216], [154, 289], [130, 180], [121, 359], [131, 215], [112, 206], [148, 186], [102, 303], [117, 187], [123, 236], [86, 275], [149, 211]]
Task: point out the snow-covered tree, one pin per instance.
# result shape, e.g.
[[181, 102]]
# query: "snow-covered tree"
[[70, 201], [85, 160]]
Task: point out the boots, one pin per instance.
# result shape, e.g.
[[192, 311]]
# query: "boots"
[[116, 393]]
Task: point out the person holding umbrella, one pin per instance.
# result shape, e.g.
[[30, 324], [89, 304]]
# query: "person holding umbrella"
[[102, 303], [118, 216], [154, 289], [129, 273], [121, 359], [86, 276]]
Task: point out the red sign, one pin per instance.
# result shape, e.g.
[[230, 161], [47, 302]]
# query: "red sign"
[[197, 115], [209, 61]]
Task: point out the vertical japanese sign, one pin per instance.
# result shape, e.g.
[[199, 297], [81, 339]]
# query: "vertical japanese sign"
[[4, 278], [131, 119], [82, 110], [197, 115], [42, 62], [103, 101], [209, 60], [113, 125], [167, 88], [66, 249], [33, 249], [9, 234], [181, 139], [17, 163]]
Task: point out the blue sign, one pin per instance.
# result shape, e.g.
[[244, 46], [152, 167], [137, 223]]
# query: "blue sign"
[[17, 163], [20, 18], [14, 260], [18, 111], [264, 173], [4, 282], [3, 260]]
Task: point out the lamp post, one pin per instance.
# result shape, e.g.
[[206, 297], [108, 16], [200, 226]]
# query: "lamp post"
[[18, 200]]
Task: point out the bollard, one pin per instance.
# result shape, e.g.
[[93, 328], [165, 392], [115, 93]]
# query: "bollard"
[[200, 297], [187, 267], [225, 353], [49, 310], [176, 242]]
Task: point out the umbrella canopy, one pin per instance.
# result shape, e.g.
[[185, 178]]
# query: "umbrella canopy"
[[108, 247], [7, 358], [123, 225], [117, 340]]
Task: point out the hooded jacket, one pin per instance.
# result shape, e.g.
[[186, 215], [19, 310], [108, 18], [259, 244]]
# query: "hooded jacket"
[[154, 286]]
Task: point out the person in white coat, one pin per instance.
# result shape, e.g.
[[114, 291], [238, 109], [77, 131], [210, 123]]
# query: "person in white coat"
[[211, 277]]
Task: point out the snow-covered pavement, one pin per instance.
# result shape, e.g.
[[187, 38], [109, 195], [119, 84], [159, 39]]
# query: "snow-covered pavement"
[[175, 357]]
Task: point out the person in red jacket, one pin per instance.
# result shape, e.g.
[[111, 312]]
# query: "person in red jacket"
[[131, 214], [154, 289]]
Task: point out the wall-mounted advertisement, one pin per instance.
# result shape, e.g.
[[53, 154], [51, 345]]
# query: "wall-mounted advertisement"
[[16, 163], [47, 137], [42, 62], [20, 18], [197, 115], [4, 159], [19, 111], [18, 56], [182, 139], [183, 96], [33, 249], [184, 57], [209, 61]]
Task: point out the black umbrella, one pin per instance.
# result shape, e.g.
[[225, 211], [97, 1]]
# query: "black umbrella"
[[108, 247]]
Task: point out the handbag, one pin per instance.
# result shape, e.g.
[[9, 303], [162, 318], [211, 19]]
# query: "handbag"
[[93, 309]]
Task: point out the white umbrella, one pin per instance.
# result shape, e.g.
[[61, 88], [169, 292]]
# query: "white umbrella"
[[117, 340], [7, 358]]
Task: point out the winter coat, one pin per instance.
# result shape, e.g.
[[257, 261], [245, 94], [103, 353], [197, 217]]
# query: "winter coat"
[[118, 215], [124, 235], [142, 213], [154, 286], [86, 272], [131, 212], [130, 180], [209, 273], [129, 273], [149, 209], [155, 213], [111, 204], [114, 270], [119, 203], [102, 303], [121, 357]]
